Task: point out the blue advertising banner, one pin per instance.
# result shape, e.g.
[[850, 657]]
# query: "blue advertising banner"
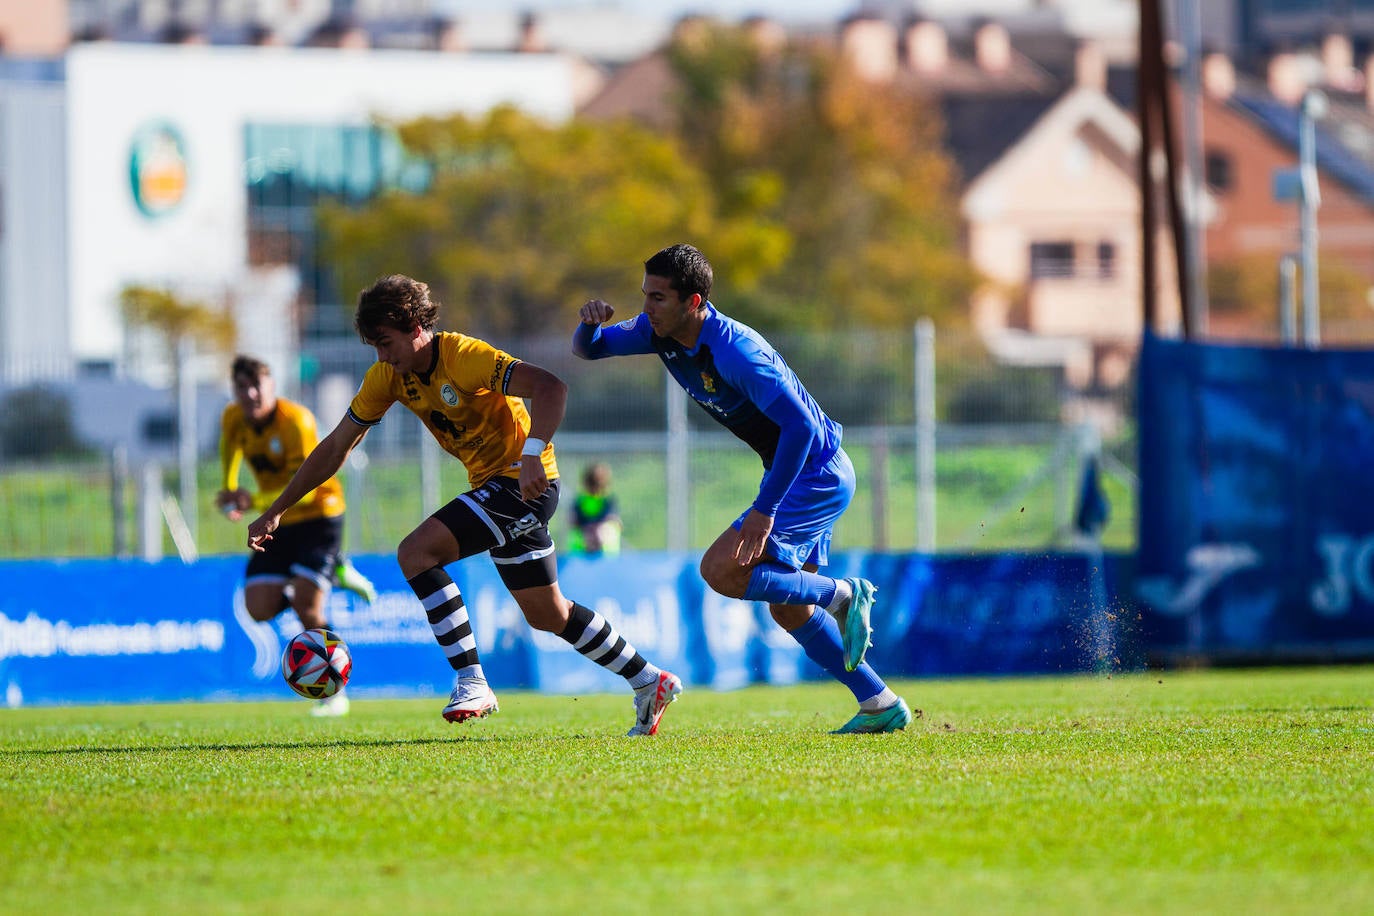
[[1003, 614], [1256, 537], [96, 631]]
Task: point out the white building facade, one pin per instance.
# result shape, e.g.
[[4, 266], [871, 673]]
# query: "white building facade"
[[128, 164]]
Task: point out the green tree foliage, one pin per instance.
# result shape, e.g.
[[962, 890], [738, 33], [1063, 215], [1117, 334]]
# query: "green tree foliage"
[[36, 424], [853, 170], [524, 220], [1243, 294], [177, 318]]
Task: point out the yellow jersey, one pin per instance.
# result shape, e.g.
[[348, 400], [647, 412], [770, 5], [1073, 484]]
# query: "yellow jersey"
[[462, 402], [273, 453]]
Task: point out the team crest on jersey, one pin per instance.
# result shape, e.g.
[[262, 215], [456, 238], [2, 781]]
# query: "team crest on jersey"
[[449, 395], [628, 323], [274, 446], [708, 383]]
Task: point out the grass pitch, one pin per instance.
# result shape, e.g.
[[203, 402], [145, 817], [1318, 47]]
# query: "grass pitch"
[[1239, 791]]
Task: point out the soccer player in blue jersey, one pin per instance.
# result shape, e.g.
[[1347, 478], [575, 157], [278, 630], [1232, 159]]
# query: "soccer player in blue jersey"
[[774, 550]]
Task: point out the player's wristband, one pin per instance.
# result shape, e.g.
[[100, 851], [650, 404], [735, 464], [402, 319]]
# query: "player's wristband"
[[534, 446]]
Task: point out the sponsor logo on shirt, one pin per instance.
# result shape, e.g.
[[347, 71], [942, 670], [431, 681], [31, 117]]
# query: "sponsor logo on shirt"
[[494, 383], [449, 395]]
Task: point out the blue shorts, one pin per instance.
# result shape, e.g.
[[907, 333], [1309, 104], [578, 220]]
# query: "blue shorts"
[[807, 516]]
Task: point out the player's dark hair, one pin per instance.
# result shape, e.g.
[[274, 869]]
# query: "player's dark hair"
[[249, 367], [685, 268], [397, 302]]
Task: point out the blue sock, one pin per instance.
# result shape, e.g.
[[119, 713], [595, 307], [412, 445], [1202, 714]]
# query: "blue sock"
[[777, 583], [820, 639]]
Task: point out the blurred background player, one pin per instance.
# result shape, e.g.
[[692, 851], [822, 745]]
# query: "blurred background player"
[[596, 520], [471, 397], [273, 435], [773, 550]]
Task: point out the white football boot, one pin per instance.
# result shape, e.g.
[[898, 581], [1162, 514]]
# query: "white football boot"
[[652, 701], [471, 699]]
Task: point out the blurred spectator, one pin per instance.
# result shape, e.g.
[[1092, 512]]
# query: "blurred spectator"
[[596, 523]]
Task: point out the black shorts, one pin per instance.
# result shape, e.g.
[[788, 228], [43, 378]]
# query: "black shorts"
[[495, 518], [308, 549]]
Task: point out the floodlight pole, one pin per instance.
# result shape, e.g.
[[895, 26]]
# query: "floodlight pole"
[[1309, 199]]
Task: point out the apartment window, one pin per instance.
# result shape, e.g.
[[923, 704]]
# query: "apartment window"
[[292, 168], [1051, 259], [1106, 260], [1218, 170]]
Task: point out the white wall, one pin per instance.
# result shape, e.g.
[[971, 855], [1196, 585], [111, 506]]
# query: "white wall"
[[34, 333], [207, 94]]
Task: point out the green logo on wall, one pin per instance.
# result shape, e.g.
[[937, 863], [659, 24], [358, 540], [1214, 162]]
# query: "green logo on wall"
[[157, 169]]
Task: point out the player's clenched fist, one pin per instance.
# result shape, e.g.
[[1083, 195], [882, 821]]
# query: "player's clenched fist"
[[596, 311]]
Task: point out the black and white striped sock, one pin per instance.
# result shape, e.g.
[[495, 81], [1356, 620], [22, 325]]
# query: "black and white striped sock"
[[592, 635], [448, 618]]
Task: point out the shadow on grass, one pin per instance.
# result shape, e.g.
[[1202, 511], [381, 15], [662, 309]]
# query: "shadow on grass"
[[286, 745]]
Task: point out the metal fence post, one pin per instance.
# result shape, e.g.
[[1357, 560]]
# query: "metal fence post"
[[150, 512], [186, 431], [119, 478], [877, 472], [925, 435], [1288, 311], [677, 463]]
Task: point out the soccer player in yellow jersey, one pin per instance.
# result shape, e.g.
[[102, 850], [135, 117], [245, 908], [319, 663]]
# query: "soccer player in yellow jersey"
[[273, 435], [471, 397]]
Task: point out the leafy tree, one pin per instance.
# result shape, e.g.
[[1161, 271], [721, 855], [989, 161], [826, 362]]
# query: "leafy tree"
[[176, 318], [853, 170], [36, 423], [524, 220], [1244, 293]]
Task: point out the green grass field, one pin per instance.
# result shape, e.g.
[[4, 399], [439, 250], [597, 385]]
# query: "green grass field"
[[1199, 792]]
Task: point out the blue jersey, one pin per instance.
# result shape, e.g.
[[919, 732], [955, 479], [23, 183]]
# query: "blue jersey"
[[741, 381]]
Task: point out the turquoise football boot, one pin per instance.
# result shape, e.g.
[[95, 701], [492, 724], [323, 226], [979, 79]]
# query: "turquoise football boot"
[[893, 719]]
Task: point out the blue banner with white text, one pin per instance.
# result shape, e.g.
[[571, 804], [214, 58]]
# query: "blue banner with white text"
[[96, 631], [1256, 535]]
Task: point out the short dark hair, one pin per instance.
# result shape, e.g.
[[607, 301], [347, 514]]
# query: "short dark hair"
[[596, 476], [685, 268], [247, 366], [397, 302]]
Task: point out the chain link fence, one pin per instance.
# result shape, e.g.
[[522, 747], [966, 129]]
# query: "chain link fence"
[[1010, 445]]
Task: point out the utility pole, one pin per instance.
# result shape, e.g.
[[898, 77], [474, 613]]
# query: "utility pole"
[[1190, 33]]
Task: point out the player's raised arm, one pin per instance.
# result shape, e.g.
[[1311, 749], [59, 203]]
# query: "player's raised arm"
[[321, 464], [592, 341]]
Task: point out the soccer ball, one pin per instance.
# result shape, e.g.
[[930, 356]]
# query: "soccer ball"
[[316, 663]]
